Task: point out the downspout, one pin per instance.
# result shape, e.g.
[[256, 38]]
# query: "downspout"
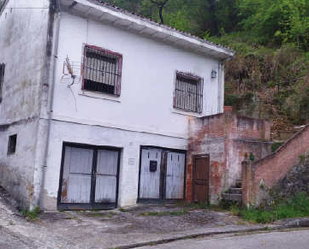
[[220, 84], [51, 99]]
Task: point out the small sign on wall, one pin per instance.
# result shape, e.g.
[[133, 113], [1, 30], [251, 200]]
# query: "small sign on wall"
[[131, 161]]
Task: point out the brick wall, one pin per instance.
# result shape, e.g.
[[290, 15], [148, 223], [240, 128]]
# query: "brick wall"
[[226, 138], [265, 173]]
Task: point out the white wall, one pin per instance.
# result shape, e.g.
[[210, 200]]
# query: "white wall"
[[146, 101], [130, 143], [23, 32]]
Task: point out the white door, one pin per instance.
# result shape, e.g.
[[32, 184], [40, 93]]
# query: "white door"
[[150, 173]]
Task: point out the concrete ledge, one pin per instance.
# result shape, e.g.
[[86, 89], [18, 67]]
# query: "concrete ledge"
[[285, 224]]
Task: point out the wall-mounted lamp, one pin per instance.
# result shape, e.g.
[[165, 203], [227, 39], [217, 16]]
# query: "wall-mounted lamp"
[[213, 74]]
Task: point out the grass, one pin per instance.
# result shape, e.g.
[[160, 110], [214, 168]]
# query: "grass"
[[31, 215], [173, 213], [294, 207]]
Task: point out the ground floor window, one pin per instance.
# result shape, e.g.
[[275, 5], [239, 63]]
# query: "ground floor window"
[[89, 177]]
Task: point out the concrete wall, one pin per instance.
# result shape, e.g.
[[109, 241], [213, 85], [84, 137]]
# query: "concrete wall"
[[142, 115], [129, 141], [23, 33], [148, 76], [227, 138], [262, 175]]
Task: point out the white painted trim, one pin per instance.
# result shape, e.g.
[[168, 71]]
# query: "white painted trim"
[[97, 95]]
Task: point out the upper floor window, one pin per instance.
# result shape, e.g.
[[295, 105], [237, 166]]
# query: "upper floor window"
[[188, 92], [2, 67], [102, 70]]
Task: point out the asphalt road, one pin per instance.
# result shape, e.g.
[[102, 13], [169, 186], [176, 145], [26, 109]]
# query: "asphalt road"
[[298, 239]]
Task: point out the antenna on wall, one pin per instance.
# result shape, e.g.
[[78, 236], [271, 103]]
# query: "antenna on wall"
[[70, 74], [71, 71]]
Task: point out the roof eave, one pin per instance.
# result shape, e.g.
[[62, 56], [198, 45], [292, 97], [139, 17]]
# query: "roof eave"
[[145, 27]]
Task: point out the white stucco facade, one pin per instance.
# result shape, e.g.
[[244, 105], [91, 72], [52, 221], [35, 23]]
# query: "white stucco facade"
[[23, 38], [143, 114]]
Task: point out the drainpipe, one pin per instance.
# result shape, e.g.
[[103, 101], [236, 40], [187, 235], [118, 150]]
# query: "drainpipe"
[[51, 100], [220, 83], [39, 199]]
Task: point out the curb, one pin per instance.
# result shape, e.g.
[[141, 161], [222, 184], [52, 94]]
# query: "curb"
[[296, 223]]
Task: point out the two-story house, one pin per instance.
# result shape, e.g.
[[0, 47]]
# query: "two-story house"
[[96, 102]]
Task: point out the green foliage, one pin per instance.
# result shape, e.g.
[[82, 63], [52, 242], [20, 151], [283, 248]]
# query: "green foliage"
[[275, 146], [31, 215], [276, 21], [297, 206]]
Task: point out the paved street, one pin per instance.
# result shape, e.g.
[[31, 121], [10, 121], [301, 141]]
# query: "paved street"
[[298, 239]]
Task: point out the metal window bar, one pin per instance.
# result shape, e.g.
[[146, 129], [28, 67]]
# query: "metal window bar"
[[101, 71], [2, 67], [188, 93]]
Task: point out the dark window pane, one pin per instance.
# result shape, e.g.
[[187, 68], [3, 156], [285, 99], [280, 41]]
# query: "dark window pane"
[[2, 67], [12, 144]]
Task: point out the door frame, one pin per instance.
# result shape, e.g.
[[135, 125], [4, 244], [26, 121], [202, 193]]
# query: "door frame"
[[194, 171], [162, 180], [92, 204]]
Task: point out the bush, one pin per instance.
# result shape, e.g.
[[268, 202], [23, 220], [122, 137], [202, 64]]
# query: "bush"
[[31, 215], [297, 206]]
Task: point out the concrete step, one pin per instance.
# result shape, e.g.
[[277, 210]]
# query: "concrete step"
[[235, 191], [232, 197]]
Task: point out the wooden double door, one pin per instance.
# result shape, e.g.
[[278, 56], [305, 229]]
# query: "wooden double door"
[[89, 177], [162, 174]]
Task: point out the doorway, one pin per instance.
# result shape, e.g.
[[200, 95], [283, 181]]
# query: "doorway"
[[201, 178], [89, 177], [162, 174]]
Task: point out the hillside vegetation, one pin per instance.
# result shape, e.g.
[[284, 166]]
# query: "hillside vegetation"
[[269, 76]]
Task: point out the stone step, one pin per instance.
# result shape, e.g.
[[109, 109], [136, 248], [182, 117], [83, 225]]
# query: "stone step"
[[235, 191], [232, 197]]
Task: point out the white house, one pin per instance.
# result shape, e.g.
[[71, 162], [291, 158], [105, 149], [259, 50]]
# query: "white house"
[[95, 103]]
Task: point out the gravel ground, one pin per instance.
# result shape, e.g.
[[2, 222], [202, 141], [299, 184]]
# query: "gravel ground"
[[107, 229]]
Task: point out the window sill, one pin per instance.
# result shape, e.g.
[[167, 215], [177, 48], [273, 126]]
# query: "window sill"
[[96, 95], [187, 113]]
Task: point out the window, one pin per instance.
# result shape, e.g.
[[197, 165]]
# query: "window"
[[12, 144], [102, 70], [188, 92], [2, 67]]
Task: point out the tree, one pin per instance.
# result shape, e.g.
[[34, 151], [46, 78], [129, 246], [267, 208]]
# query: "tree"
[[160, 5]]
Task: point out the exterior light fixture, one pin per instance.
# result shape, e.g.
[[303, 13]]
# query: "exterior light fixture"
[[213, 74]]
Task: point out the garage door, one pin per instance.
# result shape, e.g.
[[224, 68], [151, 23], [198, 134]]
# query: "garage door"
[[89, 177], [162, 174]]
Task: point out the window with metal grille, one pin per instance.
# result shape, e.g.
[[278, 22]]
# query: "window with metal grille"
[[2, 67], [102, 70], [188, 92]]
